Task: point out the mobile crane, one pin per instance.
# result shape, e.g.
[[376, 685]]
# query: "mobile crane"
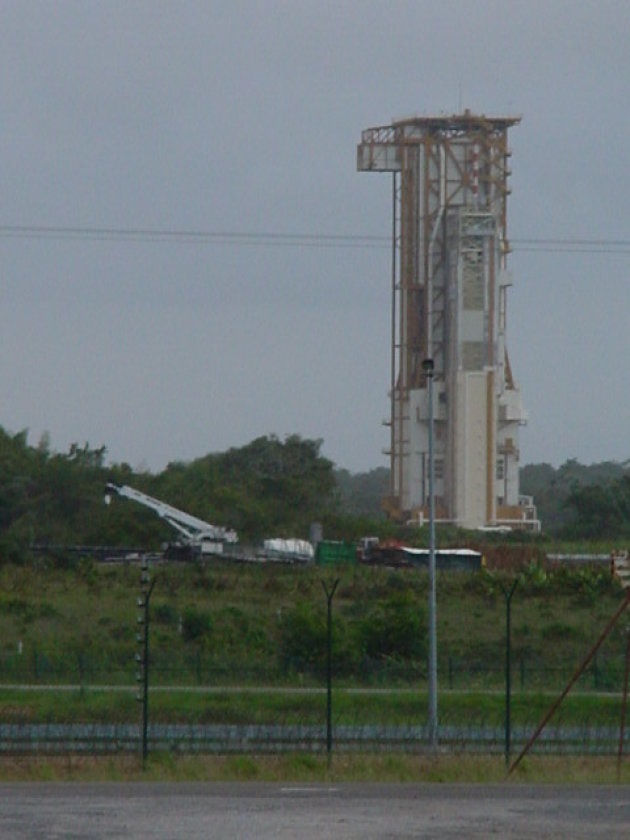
[[199, 536]]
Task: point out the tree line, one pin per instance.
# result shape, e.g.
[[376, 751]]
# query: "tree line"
[[576, 501], [269, 487]]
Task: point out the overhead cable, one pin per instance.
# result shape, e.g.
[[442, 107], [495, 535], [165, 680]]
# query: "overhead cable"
[[285, 240]]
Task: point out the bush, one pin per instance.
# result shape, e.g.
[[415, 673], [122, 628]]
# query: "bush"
[[303, 637], [165, 614], [395, 629], [559, 631], [196, 624]]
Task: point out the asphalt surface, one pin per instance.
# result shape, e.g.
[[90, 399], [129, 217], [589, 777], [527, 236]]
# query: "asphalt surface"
[[71, 811]]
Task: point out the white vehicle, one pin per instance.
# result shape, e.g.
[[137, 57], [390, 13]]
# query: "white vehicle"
[[200, 536], [278, 548]]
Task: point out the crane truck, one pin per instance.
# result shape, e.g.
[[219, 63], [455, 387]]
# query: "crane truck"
[[198, 536]]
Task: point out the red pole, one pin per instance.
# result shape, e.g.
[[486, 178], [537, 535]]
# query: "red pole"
[[570, 684], [624, 704]]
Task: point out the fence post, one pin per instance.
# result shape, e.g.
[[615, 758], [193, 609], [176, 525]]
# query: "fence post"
[[508, 665], [578, 673], [142, 658], [624, 703], [80, 667], [329, 596]]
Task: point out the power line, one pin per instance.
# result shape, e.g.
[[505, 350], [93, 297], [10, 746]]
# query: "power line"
[[201, 237], [302, 240], [579, 246]]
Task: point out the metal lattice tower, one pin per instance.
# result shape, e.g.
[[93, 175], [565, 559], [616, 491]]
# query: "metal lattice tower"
[[449, 281]]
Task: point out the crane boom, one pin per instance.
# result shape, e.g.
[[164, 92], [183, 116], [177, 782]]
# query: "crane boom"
[[196, 532]]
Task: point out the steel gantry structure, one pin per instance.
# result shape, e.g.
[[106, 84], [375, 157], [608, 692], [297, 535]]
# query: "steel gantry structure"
[[449, 282]]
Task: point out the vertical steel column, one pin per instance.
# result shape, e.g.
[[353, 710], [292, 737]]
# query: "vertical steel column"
[[508, 667], [329, 597], [143, 602], [427, 366], [395, 468]]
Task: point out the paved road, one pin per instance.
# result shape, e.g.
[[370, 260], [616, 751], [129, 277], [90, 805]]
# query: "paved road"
[[265, 811]]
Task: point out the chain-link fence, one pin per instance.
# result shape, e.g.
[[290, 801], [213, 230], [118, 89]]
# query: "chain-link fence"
[[587, 738], [244, 724], [41, 667]]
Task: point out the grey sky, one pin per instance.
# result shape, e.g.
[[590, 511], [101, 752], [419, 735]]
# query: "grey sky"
[[244, 117]]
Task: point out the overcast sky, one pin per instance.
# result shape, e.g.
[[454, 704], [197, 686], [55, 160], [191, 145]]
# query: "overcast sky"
[[243, 118]]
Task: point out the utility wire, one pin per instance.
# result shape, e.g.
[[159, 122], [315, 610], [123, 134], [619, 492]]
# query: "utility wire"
[[194, 236], [580, 246], [309, 240]]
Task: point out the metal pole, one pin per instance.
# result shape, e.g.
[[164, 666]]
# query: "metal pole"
[[145, 686], [508, 668], [579, 671], [329, 596], [624, 705], [427, 366], [393, 466], [147, 589]]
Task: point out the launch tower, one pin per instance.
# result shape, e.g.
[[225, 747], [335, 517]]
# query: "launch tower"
[[449, 285]]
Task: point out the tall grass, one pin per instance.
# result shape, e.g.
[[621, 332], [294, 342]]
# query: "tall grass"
[[229, 625], [309, 769], [286, 707]]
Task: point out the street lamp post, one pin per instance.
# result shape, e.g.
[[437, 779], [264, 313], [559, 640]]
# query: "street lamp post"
[[428, 368]]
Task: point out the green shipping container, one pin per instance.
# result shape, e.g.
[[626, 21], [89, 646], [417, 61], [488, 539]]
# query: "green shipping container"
[[333, 552]]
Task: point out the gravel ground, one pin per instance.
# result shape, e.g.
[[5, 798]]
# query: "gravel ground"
[[159, 811]]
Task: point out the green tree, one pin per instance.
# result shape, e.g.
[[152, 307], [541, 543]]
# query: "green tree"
[[266, 488], [601, 510], [552, 488], [361, 494], [395, 629]]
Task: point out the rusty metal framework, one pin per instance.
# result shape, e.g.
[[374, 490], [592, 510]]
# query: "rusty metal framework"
[[444, 168]]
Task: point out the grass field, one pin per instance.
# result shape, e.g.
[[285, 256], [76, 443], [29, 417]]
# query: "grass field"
[[246, 645], [393, 707], [222, 624], [306, 768], [218, 630]]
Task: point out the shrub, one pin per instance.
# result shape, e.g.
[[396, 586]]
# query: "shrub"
[[303, 637], [165, 614], [559, 631], [395, 629], [196, 624]]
